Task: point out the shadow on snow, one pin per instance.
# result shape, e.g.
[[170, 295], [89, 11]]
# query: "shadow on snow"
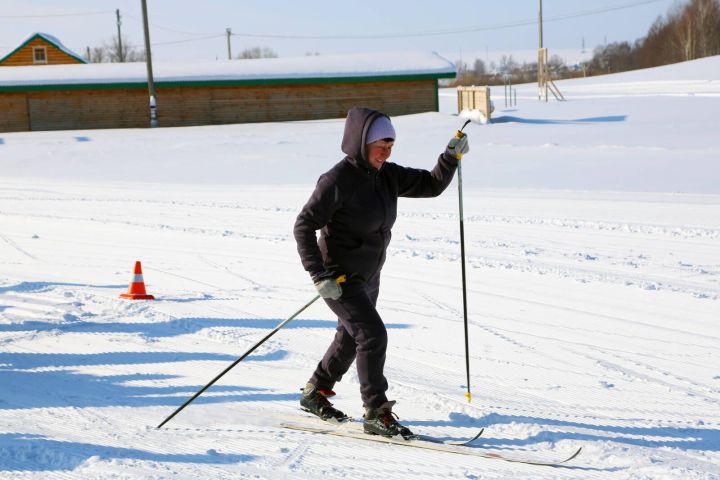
[[547, 121], [36, 453], [181, 326], [31, 361], [25, 386], [702, 439], [70, 389], [34, 287]]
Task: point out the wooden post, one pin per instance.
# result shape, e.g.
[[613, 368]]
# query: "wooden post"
[[542, 74]]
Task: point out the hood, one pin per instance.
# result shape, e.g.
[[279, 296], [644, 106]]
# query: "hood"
[[357, 124]]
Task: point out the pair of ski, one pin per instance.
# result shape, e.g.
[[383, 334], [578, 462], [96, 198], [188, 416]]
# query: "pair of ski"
[[353, 429]]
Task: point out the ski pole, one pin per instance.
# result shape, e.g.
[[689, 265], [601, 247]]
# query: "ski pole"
[[468, 395], [340, 279]]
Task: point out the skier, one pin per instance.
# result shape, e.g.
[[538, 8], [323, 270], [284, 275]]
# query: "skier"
[[354, 206]]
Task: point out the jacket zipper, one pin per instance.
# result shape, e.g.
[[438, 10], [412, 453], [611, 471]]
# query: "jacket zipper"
[[382, 233]]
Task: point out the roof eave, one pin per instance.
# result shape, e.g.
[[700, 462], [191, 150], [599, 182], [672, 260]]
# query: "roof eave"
[[227, 83]]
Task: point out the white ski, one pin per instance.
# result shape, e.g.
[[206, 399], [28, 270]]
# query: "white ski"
[[436, 445]]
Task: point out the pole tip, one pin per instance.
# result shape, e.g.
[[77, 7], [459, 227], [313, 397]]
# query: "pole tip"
[[468, 395]]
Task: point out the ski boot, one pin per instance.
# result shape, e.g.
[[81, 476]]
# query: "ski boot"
[[315, 401], [382, 421]]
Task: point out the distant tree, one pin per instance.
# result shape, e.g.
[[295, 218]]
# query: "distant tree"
[[527, 72], [128, 53], [110, 51], [479, 68], [614, 57], [96, 55], [462, 68], [695, 29], [655, 49], [257, 52], [557, 66], [710, 25], [690, 30], [507, 64]]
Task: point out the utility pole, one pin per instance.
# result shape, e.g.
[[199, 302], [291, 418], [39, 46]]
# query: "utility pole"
[[541, 56], [540, 24], [229, 33], [148, 61], [121, 54]]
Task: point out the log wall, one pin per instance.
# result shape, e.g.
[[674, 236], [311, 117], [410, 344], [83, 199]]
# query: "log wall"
[[177, 105]]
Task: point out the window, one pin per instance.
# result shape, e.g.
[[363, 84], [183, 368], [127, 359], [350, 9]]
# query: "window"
[[39, 55]]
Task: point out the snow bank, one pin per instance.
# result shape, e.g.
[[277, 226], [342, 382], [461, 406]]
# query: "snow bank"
[[314, 66]]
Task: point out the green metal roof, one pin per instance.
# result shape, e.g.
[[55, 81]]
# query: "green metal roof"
[[224, 83]]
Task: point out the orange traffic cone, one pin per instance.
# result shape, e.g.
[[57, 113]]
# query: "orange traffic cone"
[[136, 291]]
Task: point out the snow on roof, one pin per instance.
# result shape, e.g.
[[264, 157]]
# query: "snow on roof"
[[49, 38], [307, 67]]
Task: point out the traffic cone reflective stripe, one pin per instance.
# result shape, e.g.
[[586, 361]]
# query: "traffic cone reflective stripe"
[[136, 290]]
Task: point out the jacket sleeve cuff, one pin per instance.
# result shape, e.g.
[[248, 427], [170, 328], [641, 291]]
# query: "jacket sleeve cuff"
[[316, 277], [450, 157]]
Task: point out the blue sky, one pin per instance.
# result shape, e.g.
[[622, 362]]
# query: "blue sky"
[[193, 30]]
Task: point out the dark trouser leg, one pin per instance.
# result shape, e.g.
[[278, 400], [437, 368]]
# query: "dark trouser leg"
[[361, 335], [337, 360]]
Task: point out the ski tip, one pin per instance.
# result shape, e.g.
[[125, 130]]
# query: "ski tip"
[[561, 462], [469, 441], [577, 452]]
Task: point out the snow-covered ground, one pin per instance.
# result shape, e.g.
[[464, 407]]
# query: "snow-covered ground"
[[593, 243]]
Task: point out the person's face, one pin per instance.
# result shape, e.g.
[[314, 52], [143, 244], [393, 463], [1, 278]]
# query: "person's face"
[[378, 152]]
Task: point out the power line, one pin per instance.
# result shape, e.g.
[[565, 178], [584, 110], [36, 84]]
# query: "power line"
[[159, 44], [602, 10], [424, 33], [452, 31], [154, 25], [58, 14]]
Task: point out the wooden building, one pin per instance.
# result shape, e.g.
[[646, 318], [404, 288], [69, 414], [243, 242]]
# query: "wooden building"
[[221, 92], [40, 49]]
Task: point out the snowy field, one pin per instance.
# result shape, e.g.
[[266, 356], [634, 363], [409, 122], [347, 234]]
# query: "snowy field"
[[593, 243]]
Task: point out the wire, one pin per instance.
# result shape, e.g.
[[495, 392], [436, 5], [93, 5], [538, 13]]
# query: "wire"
[[453, 31], [139, 20], [425, 33], [601, 10], [57, 14], [187, 40]]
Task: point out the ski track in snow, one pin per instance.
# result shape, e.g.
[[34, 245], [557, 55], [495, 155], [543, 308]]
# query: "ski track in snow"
[[592, 307], [531, 370], [546, 402]]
